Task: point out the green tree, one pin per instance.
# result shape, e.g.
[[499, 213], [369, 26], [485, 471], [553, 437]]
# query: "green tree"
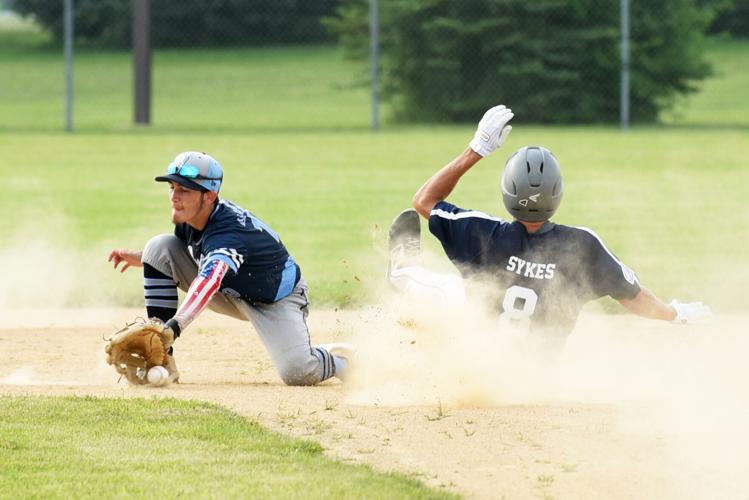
[[188, 23], [551, 60], [731, 16]]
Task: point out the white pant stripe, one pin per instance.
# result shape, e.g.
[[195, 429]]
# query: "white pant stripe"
[[162, 303]]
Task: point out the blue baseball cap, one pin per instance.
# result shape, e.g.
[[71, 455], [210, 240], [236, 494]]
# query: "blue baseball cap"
[[194, 170]]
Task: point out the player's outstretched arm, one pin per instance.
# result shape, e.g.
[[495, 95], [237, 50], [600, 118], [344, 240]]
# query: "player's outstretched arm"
[[201, 291], [130, 258], [441, 184], [647, 305], [491, 133]]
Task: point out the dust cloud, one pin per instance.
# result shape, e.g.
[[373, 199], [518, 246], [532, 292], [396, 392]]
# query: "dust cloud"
[[686, 384], [28, 375], [42, 274], [36, 273]]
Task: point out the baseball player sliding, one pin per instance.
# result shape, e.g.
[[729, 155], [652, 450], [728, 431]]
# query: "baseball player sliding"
[[227, 259], [540, 273]]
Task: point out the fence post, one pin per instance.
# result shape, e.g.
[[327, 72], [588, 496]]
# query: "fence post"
[[624, 97], [68, 49], [142, 60], [374, 50]]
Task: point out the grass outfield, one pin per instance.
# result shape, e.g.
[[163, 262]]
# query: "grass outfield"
[[670, 201], [214, 90], [133, 448], [721, 100]]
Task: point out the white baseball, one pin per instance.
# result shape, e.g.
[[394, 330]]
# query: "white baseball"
[[157, 375]]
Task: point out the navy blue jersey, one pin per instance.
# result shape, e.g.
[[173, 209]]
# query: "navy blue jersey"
[[545, 277], [260, 267]]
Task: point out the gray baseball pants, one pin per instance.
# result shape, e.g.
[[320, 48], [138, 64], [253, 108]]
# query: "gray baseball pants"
[[281, 325]]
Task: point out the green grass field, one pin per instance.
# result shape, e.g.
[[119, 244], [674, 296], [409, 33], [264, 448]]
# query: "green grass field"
[[124, 448], [293, 138], [720, 100], [671, 203], [250, 90]]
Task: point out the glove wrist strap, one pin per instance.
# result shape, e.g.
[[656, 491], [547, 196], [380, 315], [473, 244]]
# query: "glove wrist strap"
[[174, 326]]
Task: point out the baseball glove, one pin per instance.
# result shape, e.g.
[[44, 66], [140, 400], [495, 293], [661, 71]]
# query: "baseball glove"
[[138, 347]]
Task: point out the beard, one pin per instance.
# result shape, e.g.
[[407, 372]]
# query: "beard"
[[180, 218]]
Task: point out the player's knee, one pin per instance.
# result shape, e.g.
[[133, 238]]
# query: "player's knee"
[[160, 246], [298, 377], [163, 242], [299, 374]]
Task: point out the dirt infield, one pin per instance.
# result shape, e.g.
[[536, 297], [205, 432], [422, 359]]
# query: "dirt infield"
[[632, 410]]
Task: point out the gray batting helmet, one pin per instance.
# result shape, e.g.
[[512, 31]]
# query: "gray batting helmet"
[[532, 184]]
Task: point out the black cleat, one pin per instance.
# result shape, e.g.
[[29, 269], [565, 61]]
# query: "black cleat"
[[404, 240]]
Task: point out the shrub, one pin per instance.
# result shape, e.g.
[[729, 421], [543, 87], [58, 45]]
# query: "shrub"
[[731, 16], [551, 60], [188, 23]]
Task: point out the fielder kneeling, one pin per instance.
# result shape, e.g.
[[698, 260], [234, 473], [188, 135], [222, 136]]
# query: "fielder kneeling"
[[227, 259]]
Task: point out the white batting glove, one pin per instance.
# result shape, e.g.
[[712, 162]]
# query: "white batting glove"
[[492, 130], [690, 313]]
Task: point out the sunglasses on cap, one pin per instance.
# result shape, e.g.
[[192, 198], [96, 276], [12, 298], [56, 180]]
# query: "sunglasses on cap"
[[189, 171]]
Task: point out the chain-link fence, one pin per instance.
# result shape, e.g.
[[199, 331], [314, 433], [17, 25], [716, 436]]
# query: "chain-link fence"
[[245, 65], [259, 65]]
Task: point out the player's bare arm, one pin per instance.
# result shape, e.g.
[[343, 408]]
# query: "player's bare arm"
[[491, 133], [129, 258], [646, 304], [441, 184]]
